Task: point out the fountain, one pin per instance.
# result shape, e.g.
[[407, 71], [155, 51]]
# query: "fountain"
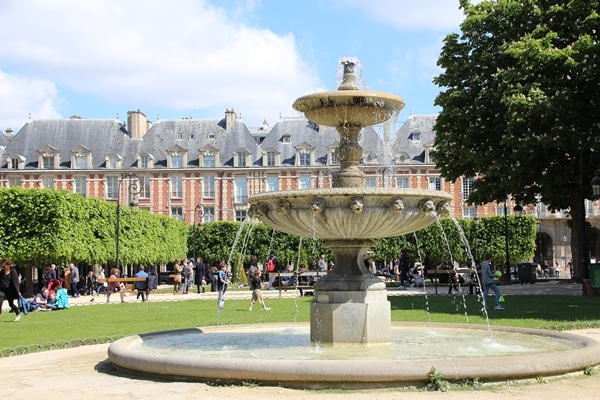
[[351, 336]]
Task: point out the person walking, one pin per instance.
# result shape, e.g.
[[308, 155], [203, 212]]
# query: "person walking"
[[256, 286], [9, 287], [222, 282], [74, 276], [487, 280]]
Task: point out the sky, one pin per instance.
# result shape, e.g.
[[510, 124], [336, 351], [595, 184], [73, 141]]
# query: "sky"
[[99, 59]]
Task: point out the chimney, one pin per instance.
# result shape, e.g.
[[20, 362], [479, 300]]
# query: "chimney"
[[230, 117], [137, 124], [9, 134]]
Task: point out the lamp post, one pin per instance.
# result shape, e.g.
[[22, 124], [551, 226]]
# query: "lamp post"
[[133, 189], [476, 221], [584, 256], [517, 210], [200, 211]]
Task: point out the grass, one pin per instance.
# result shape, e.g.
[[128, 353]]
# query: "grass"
[[115, 320]]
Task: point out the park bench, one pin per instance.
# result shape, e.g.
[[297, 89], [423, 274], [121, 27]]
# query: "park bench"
[[128, 282], [302, 285]]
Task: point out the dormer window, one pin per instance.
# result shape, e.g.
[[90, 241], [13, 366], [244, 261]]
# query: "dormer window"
[[48, 157], [208, 156], [16, 162], [81, 157], [241, 158], [176, 157], [145, 160], [304, 154], [415, 137], [286, 138], [113, 161], [270, 157]]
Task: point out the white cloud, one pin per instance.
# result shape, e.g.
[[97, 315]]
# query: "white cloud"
[[437, 15], [21, 97], [178, 55]]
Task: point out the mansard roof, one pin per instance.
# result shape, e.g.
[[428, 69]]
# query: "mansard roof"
[[404, 141], [102, 137]]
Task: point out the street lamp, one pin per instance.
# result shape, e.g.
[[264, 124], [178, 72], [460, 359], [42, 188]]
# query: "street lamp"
[[133, 189], [200, 211], [518, 210], [476, 221]]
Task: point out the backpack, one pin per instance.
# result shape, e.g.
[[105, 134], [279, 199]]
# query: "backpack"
[[271, 265]]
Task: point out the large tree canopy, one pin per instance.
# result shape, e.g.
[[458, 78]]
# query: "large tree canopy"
[[521, 89]]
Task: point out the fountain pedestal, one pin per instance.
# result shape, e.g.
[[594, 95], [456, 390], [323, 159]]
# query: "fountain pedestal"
[[350, 304]]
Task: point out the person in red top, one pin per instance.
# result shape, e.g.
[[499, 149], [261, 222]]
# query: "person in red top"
[[9, 287]]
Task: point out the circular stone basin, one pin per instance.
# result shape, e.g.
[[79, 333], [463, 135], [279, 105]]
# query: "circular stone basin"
[[281, 354], [349, 213]]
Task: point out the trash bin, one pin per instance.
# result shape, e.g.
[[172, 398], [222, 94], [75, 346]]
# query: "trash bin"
[[526, 272], [595, 275]]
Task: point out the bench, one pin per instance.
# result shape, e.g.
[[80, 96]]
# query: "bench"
[[303, 287], [436, 274], [129, 282]]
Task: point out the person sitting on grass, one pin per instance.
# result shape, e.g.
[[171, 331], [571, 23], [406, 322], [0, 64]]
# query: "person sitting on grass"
[[42, 300]]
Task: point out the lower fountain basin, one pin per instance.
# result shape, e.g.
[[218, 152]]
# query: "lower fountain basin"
[[281, 354], [349, 213]]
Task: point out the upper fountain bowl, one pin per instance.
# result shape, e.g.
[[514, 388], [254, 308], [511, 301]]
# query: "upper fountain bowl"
[[349, 107]]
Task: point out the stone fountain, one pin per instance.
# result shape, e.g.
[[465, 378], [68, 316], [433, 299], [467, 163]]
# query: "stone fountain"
[[352, 342], [350, 304]]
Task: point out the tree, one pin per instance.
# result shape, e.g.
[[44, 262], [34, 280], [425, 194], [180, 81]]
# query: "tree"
[[519, 103]]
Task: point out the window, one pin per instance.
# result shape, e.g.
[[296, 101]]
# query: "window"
[[176, 187], [241, 191], [286, 138], [467, 184], [469, 212], [241, 159], [144, 161], [48, 182], [112, 162], [304, 159], [435, 183], [48, 162], [334, 159], [177, 213], [240, 215], [415, 137], [371, 182], [14, 163], [304, 182], [272, 183], [208, 186], [403, 183], [81, 185], [209, 214], [112, 187], [271, 159], [145, 187], [14, 181], [176, 161], [208, 160], [80, 162]]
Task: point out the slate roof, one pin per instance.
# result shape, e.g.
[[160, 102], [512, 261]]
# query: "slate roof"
[[403, 142]]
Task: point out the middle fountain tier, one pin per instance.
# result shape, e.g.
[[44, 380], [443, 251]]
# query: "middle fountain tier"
[[350, 304]]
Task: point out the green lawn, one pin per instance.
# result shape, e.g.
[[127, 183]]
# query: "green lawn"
[[106, 322]]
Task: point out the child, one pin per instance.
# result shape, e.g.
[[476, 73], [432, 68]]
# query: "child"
[[256, 286]]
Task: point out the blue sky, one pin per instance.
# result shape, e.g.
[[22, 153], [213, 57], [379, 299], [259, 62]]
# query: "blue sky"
[[196, 58]]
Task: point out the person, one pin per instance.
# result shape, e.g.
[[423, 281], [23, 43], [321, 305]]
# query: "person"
[[322, 264], [372, 266], [9, 287], [142, 286], [276, 267], [74, 275], [200, 275], [546, 269], [177, 278], [256, 286], [222, 282], [101, 285], [404, 268], [66, 279], [90, 284], [427, 266], [557, 269], [114, 287], [396, 268], [211, 277], [252, 267], [487, 281], [42, 300]]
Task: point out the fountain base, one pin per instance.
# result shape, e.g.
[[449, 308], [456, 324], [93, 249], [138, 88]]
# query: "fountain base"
[[350, 317]]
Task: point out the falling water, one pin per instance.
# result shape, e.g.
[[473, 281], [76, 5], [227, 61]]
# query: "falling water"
[[235, 241]]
